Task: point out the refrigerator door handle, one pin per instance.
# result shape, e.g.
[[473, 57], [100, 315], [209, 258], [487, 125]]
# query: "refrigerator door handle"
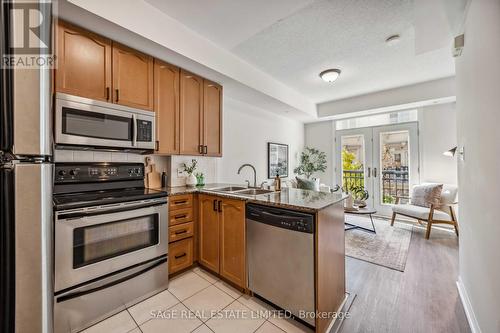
[[7, 250]]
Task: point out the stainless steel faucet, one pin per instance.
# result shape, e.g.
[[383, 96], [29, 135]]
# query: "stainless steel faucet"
[[254, 172]]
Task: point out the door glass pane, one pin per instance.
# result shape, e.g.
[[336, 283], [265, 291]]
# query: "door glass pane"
[[103, 241], [395, 162], [353, 161], [96, 125]]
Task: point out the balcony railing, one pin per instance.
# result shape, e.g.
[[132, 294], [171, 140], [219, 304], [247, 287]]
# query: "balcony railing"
[[395, 183], [353, 178]]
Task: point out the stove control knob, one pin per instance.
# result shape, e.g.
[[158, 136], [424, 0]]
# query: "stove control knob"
[[73, 172], [62, 173]]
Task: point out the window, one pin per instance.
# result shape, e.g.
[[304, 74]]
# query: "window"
[[377, 120]]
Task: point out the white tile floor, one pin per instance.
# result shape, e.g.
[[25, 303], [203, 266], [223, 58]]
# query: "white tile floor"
[[196, 301]]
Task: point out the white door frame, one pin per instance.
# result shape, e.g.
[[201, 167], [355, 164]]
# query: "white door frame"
[[367, 134], [414, 162], [372, 162]]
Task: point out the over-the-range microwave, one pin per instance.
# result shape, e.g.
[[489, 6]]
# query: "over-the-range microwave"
[[83, 123]]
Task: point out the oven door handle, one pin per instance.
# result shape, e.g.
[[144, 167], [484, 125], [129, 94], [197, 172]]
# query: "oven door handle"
[[119, 209], [134, 130], [83, 292]]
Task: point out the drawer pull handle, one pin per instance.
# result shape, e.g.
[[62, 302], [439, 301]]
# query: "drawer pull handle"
[[180, 202], [180, 255], [181, 232], [180, 216]]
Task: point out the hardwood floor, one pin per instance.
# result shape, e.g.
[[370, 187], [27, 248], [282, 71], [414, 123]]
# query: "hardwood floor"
[[423, 298]]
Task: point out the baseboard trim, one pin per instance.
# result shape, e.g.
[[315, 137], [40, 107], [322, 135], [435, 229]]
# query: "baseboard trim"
[[469, 312]]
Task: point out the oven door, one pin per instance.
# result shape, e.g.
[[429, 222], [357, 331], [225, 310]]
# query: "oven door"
[[85, 122], [95, 241]]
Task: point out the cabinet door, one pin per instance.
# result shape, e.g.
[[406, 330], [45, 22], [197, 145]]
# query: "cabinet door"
[[212, 118], [83, 63], [132, 78], [208, 232], [166, 107], [232, 241], [191, 103]]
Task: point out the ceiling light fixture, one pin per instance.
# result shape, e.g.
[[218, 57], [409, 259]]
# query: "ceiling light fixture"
[[393, 40], [330, 75]]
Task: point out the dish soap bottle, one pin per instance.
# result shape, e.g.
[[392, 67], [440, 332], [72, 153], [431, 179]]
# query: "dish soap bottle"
[[277, 182]]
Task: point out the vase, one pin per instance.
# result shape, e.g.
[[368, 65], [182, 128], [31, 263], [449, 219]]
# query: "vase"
[[349, 201], [191, 180]]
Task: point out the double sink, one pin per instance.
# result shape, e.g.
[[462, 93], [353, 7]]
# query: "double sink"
[[243, 191]]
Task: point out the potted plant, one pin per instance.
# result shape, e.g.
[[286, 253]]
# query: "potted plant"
[[189, 169], [311, 160], [200, 179]]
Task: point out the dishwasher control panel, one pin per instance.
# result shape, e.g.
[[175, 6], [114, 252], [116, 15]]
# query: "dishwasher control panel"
[[282, 218]]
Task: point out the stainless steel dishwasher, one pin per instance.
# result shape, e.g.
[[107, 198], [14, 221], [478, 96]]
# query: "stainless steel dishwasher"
[[281, 258]]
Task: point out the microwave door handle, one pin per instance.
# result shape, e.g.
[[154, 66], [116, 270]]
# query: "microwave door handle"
[[134, 130]]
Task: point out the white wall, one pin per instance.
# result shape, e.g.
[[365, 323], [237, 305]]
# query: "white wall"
[[321, 136], [247, 130], [438, 133], [478, 119]]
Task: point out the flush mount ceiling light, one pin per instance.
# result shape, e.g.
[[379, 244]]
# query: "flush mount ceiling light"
[[393, 40], [330, 75]]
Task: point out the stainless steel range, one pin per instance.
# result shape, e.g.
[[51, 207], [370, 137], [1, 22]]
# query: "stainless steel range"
[[110, 241]]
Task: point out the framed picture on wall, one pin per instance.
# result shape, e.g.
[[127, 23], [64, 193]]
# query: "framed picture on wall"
[[277, 160]]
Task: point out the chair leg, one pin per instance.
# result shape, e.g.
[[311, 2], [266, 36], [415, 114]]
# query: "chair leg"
[[456, 228], [428, 232], [393, 218]]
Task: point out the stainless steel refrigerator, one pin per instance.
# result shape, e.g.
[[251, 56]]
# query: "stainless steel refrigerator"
[[26, 173]]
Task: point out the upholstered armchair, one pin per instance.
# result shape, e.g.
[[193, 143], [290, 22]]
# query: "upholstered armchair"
[[443, 213]]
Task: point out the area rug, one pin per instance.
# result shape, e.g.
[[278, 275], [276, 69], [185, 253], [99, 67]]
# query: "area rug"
[[388, 247]]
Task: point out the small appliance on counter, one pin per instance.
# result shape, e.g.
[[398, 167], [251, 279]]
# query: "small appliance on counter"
[[111, 241]]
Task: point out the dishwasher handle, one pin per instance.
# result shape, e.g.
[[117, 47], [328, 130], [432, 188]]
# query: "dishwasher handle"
[[281, 218]]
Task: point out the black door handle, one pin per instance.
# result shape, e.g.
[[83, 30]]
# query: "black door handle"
[[215, 205], [220, 206]]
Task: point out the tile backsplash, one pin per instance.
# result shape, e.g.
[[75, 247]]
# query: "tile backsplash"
[[95, 156], [170, 164], [207, 165]]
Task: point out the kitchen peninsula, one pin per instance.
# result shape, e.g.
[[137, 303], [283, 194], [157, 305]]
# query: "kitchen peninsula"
[[217, 236]]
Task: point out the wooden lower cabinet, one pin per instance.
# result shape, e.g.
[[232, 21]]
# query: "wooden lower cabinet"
[[222, 237], [180, 255], [208, 221], [232, 241], [181, 233]]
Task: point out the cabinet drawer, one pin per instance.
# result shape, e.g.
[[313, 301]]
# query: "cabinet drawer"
[[180, 216], [180, 231], [181, 201], [180, 255]]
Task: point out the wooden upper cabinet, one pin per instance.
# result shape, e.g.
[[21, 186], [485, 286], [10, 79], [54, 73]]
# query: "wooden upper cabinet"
[[166, 107], [191, 118], [208, 231], [83, 63], [232, 241], [212, 118], [132, 78]]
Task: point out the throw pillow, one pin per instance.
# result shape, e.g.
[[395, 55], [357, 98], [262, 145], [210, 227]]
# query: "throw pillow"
[[426, 195], [307, 184]]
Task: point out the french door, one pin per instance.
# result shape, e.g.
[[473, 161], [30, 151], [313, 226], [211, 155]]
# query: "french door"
[[383, 160]]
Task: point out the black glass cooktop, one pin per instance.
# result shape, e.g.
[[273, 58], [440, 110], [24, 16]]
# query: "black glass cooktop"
[[94, 198]]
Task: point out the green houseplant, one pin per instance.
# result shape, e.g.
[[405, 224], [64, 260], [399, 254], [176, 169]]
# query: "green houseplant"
[[311, 160], [189, 169]]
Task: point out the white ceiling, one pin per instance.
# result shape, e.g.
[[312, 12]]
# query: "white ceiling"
[[294, 40], [228, 22]]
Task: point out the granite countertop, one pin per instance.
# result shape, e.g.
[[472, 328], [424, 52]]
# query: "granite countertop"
[[291, 198]]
